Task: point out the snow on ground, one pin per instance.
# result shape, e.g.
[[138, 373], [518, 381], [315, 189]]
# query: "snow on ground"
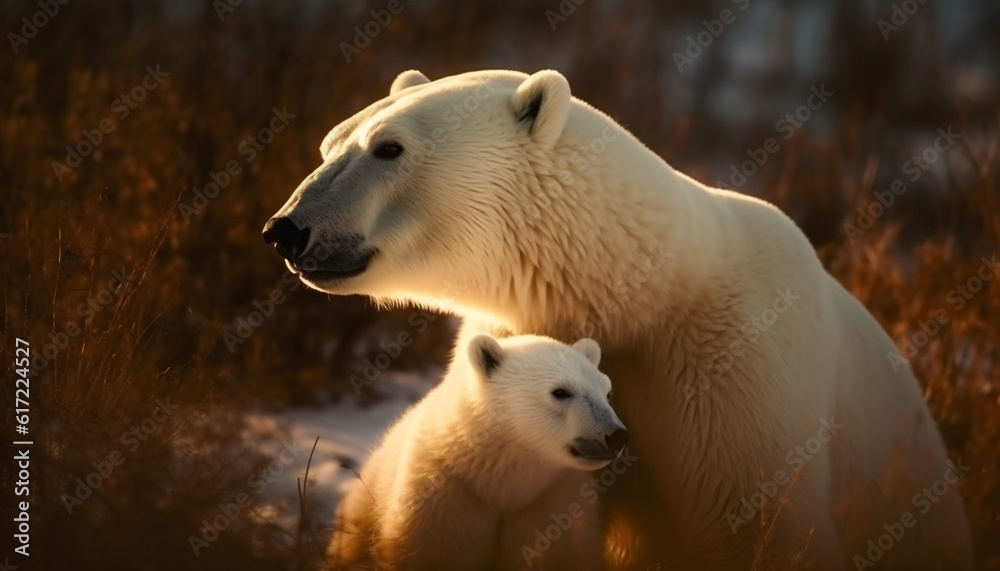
[[346, 432]]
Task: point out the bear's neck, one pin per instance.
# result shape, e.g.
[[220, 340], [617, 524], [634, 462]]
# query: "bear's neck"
[[603, 249]]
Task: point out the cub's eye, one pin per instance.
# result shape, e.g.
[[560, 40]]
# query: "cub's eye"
[[388, 150], [561, 394]]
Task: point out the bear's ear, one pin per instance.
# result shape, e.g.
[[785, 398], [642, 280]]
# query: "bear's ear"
[[590, 349], [408, 78], [542, 103], [486, 354]]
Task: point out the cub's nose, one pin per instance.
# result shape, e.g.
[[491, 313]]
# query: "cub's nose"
[[617, 440], [288, 239]]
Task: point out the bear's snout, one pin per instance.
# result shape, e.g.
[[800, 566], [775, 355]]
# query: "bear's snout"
[[617, 440], [288, 239]]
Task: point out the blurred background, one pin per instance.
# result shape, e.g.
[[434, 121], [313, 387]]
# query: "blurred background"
[[179, 379]]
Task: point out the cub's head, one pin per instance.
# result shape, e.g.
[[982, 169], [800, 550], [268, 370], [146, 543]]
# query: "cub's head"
[[552, 396], [436, 178]]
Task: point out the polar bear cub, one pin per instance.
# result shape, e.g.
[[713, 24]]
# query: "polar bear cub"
[[491, 457]]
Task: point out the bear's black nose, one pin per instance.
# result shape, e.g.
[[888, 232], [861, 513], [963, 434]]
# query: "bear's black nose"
[[288, 239], [617, 440]]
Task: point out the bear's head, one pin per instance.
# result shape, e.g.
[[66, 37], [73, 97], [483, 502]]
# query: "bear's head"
[[553, 397], [447, 189]]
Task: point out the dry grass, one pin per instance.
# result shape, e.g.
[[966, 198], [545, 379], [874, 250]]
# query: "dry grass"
[[162, 335]]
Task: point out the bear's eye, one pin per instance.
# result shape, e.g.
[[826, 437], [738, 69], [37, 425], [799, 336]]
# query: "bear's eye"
[[561, 394], [388, 150]]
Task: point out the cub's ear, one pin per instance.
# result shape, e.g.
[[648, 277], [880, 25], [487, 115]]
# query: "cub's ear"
[[590, 349], [408, 78], [486, 354], [542, 103]]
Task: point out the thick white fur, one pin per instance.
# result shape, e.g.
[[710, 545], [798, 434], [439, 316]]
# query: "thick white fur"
[[468, 475], [569, 226], [408, 78]]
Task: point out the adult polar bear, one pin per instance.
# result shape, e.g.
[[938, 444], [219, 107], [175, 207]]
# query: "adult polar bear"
[[736, 357]]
